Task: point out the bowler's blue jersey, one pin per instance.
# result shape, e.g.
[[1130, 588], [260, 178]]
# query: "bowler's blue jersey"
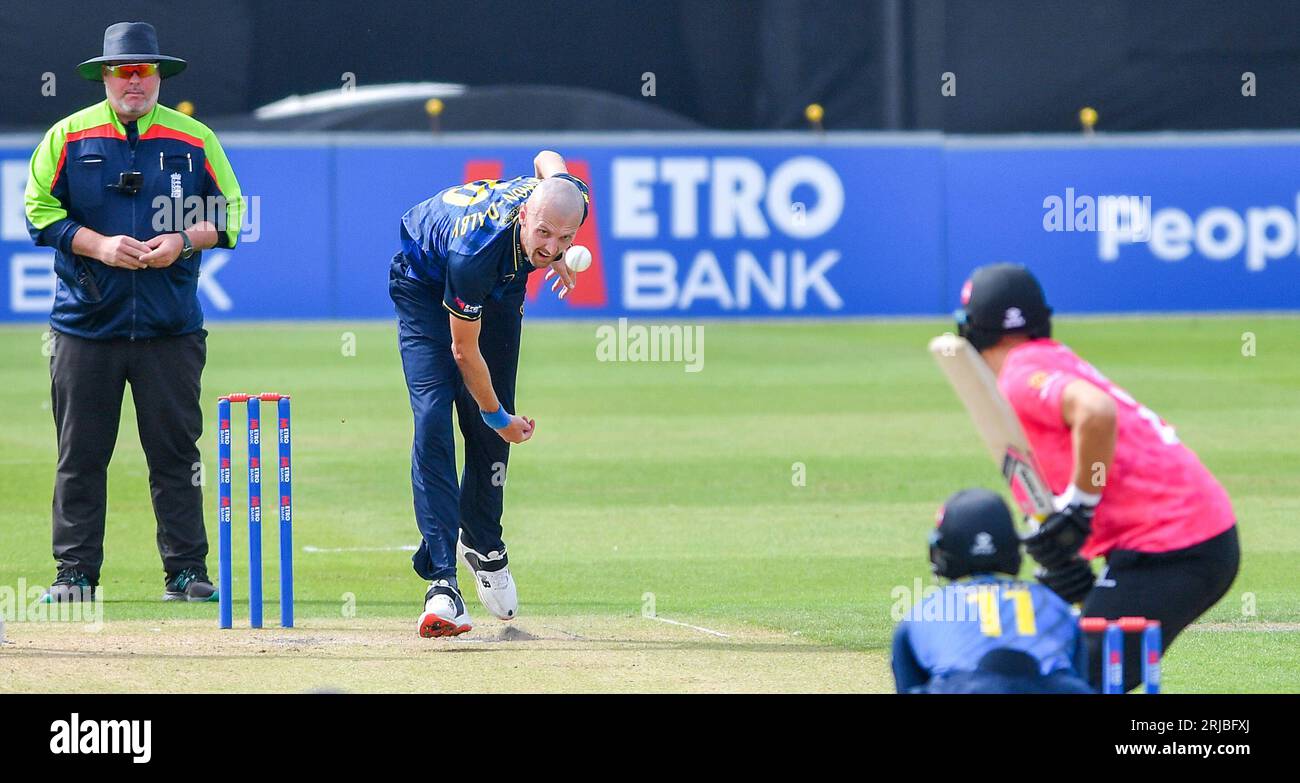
[[467, 238], [954, 627]]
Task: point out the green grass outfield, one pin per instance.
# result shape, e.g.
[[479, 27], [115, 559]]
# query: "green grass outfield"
[[644, 478]]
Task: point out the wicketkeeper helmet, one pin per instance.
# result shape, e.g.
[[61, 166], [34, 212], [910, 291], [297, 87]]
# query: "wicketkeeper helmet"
[[975, 535]]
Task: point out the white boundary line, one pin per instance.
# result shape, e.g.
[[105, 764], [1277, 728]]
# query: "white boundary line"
[[1255, 627], [319, 550], [686, 625]]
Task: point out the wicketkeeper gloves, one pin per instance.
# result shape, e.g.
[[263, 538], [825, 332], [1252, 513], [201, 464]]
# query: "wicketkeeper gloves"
[[1072, 581]]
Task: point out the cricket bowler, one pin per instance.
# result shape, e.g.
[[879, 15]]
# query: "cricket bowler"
[[986, 631], [1126, 488], [458, 287]]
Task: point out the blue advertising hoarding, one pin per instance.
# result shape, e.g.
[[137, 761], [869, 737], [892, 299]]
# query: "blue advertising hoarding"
[[758, 226], [1196, 227]]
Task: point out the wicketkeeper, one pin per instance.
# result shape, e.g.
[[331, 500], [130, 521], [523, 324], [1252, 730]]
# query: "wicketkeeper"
[[458, 285], [986, 632]]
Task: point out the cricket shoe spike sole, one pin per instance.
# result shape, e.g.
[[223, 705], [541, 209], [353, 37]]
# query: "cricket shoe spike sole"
[[433, 627], [492, 580], [444, 612]]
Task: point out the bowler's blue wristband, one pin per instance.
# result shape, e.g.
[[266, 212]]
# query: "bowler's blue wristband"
[[498, 419]]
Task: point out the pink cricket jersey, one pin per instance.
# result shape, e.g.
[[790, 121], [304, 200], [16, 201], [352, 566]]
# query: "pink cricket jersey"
[[1158, 496]]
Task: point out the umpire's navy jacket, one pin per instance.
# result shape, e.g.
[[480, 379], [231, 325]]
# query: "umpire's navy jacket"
[[73, 183]]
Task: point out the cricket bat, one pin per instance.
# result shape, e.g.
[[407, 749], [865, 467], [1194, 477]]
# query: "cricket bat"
[[977, 389]]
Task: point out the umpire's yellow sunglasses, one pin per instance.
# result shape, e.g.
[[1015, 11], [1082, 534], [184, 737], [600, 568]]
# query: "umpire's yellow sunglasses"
[[127, 70]]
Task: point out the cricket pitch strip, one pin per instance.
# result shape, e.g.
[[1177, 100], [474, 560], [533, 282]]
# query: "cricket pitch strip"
[[563, 654]]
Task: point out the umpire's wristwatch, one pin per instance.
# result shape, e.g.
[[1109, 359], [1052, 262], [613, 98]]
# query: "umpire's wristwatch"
[[187, 250]]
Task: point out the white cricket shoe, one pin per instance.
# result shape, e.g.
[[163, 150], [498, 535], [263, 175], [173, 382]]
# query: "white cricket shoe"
[[492, 580], [444, 611]]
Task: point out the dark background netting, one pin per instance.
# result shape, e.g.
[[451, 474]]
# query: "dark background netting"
[[1021, 65]]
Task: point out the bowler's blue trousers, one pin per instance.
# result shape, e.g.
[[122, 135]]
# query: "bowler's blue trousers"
[[442, 507]]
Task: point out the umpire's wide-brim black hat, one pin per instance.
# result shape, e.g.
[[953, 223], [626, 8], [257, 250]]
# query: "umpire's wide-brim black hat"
[[131, 42]]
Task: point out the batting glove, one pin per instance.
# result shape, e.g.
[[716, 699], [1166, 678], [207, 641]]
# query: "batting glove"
[[1061, 536]]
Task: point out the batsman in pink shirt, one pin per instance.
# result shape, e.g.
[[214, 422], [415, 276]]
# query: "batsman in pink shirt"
[[1127, 489]]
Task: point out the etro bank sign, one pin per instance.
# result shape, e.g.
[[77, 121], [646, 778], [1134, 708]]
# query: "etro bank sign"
[[741, 226], [726, 233], [750, 232]]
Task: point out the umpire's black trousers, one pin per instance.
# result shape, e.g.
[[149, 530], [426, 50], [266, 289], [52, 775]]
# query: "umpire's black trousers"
[[87, 380]]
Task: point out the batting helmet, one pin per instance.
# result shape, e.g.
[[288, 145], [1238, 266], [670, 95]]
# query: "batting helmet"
[[1002, 299]]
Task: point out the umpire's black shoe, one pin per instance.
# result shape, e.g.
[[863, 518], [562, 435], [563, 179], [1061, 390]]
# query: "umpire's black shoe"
[[190, 584], [70, 584]]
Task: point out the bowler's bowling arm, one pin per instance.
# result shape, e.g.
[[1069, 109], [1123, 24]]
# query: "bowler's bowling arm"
[[473, 368], [1090, 414], [548, 164]]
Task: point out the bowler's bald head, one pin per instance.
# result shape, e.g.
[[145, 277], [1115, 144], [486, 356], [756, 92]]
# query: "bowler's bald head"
[[557, 201], [550, 220]]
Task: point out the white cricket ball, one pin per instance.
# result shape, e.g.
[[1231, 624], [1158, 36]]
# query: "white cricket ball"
[[578, 258]]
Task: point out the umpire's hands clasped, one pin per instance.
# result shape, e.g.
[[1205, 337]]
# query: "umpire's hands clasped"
[[122, 251], [164, 249]]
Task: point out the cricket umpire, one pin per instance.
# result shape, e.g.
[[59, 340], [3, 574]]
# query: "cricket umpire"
[[128, 193], [458, 287]]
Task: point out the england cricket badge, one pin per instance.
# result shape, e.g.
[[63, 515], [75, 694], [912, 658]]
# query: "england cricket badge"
[[176, 186]]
